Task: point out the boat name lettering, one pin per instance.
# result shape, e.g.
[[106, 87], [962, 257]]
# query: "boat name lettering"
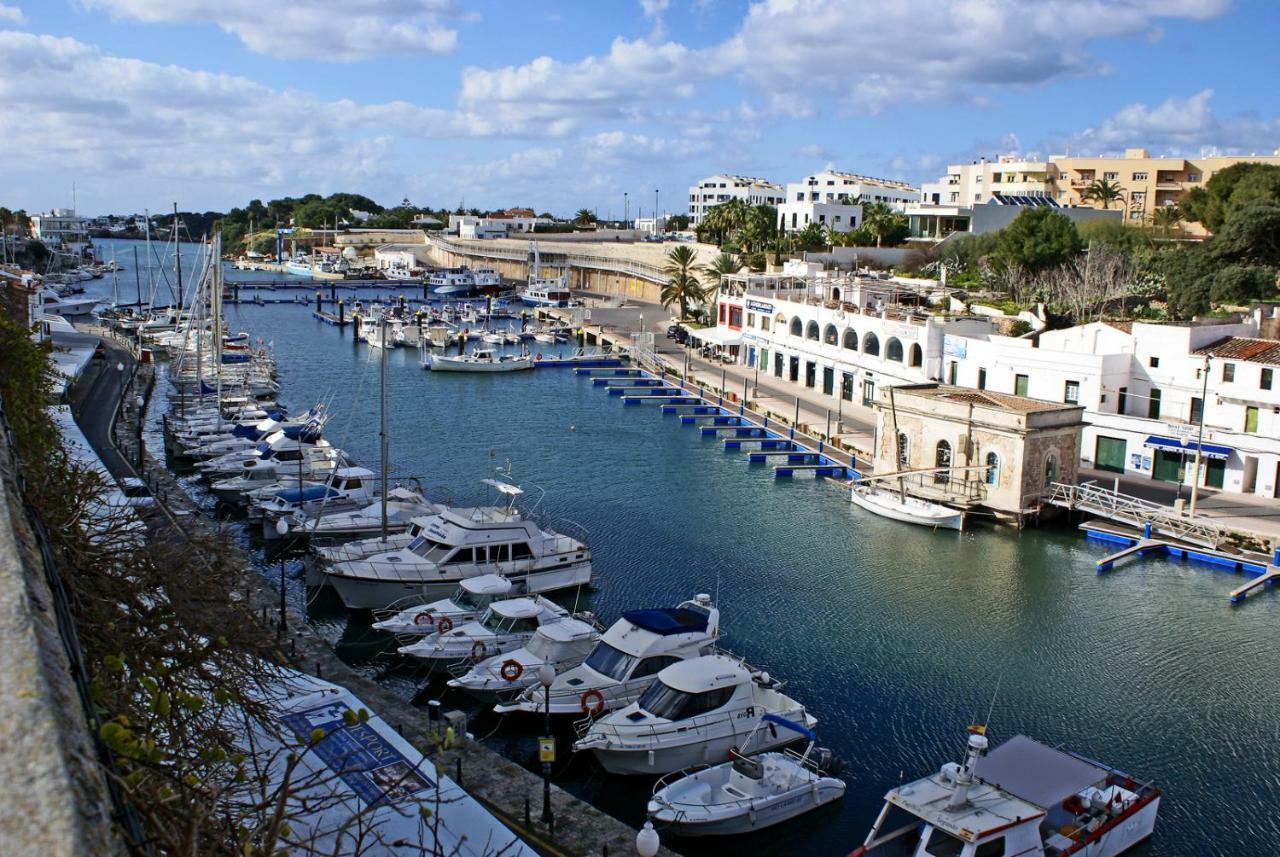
[[749, 711]]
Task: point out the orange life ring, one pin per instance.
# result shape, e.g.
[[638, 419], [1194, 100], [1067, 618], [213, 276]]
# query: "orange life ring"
[[592, 708], [477, 650], [512, 669], [445, 625], [424, 618], [733, 751], [539, 356]]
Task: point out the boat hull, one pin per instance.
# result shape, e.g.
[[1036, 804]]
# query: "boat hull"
[[367, 594], [444, 364], [950, 520], [751, 815], [665, 760]]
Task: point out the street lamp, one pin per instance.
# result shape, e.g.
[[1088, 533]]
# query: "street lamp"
[[1204, 404], [546, 676], [282, 527], [626, 210], [642, 322], [647, 841]]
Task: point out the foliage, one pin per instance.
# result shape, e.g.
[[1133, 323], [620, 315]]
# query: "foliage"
[[584, 217], [1238, 264], [399, 217], [725, 263], [1230, 189], [1103, 191], [886, 223], [678, 222], [25, 382], [1167, 220], [812, 237], [1116, 235], [683, 286], [1039, 238]]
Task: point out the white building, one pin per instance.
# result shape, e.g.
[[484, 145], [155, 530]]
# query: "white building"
[[974, 183], [403, 257], [494, 225], [62, 229], [834, 199], [713, 190]]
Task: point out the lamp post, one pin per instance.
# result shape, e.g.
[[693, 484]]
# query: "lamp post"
[[546, 676], [1204, 404], [647, 841], [282, 527], [642, 322], [626, 210], [655, 211]]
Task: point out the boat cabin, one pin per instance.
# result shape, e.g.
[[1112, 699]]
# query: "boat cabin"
[[518, 616], [477, 593], [691, 688], [645, 642], [565, 641]]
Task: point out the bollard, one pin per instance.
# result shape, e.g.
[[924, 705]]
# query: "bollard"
[[341, 309], [458, 771], [319, 670], [527, 819], [293, 646], [319, 306]]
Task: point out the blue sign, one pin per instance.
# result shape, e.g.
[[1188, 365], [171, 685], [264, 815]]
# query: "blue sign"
[[376, 771], [756, 306], [955, 346]]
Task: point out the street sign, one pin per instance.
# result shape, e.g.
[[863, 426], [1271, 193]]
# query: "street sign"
[[546, 749]]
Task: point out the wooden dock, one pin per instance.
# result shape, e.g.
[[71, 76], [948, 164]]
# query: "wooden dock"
[[1264, 580]]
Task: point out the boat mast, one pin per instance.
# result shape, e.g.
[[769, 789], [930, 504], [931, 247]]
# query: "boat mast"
[[382, 408], [177, 252]]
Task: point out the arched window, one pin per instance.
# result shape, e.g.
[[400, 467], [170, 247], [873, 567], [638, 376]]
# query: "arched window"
[[835, 294], [851, 339], [893, 350], [871, 345], [830, 335], [917, 354], [993, 468], [811, 331], [942, 460], [1050, 469], [796, 327], [904, 451]]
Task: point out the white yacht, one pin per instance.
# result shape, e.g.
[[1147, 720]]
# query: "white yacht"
[[479, 360], [505, 625], [307, 458], [467, 604], [694, 713], [636, 648], [486, 279], [453, 282], [402, 506], [1021, 798], [53, 304], [398, 272], [255, 474], [299, 266], [563, 645], [461, 543], [345, 489], [547, 292]]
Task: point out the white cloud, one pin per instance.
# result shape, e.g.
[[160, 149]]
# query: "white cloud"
[[345, 32], [622, 147], [12, 14], [654, 8]]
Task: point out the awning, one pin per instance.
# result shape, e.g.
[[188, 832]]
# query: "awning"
[[716, 336], [1208, 450]]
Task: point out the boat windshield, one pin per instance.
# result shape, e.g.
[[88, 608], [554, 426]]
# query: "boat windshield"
[[471, 601], [491, 621], [429, 549], [540, 647], [610, 662], [666, 702]]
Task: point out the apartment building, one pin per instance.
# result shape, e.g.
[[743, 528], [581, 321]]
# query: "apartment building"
[[975, 183], [716, 189], [834, 199], [63, 230]]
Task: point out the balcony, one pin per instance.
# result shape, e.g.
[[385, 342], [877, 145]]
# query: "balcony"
[[1165, 184]]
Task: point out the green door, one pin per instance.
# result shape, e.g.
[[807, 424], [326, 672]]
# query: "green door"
[[1020, 385], [828, 379], [1110, 454], [1167, 466], [1214, 471]]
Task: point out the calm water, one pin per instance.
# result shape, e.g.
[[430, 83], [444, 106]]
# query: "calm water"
[[894, 637]]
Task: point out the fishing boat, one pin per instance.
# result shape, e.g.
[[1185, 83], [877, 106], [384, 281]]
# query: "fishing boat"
[[487, 281], [898, 506], [460, 543], [693, 713], [560, 645], [452, 282], [1022, 798], [631, 652], [547, 292], [467, 604], [506, 625], [479, 360], [748, 792], [299, 266]]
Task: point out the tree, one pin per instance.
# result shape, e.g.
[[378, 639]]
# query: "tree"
[[1229, 189], [758, 227], [682, 285], [725, 263], [883, 221], [1103, 191], [584, 217], [678, 222], [1115, 234], [1039, 238], [1084, 284], [1251, 234], [1167, 220], [812, 237]]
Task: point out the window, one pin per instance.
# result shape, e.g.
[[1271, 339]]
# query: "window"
[[520, 550], [751, 319], [797, 329], [653, 666], [846, 386], [1265, 382], [904, 450], [764, 322], [1193, 177], [893, 350], [1050, 469], [1153, 405], [850, 340], [1228, 372], [462, 555], [868, 392], [982, 379], [1153, 362], [1020, 384], [1251, 419], [993, 468], [942, 461], [811, 330], [1072, 393], [943, 844], [1197, 410], [953, 369], [1139, 177], [1110, 177], [917, 354], [830, 335], [991, 848], [871, 345], [735, 317]]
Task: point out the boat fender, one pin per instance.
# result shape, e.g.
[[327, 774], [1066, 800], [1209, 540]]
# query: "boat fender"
[[512, 669], [445, 625], [733, 751], [592, 702], [773, 730], [477, 650], [539, 356], [424, 618]]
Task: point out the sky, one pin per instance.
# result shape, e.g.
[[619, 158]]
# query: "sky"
[[559, 106]]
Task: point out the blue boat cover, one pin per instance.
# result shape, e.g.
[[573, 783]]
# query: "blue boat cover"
[[309, 493], [246, 430], [792, 725], [665, 621]]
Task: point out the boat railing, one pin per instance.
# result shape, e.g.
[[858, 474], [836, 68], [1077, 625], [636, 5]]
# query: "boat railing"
[[651, 737], [570, 533]]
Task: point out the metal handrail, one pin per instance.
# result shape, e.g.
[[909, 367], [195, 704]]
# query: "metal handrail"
[[1134, 511]]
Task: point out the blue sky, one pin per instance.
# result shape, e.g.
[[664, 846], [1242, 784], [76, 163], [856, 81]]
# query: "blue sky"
[[560, 106]]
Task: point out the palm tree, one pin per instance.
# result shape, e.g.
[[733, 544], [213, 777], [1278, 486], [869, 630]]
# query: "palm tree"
[[682, 279], [584, 217], [758, 226], [881, 220], [1103, 191], [1167, 219], [812, 237]]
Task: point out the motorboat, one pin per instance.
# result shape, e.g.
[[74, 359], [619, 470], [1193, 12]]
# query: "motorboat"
[[379, 333], [1022, 798], [452, 282], [493, 337], [309, 457], [547, 292], [345, 489], [487, 280], [467, 604], [255, 473], [479, 360], [693, 713], [544, 336], [899, 506], [748, 792], [460, 543], [399, 272], [402, 506], [299, 266], [561, 645], [53, 304], [408, 333], [505, 626], [631, 652]]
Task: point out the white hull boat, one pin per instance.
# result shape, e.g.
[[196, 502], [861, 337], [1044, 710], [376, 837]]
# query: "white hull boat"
[[402, 507], [892, 504], [467, 604], [505, 626], [478, 361], [561, 645]]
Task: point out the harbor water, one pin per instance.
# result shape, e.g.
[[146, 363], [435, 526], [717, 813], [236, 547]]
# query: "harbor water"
[[895, 637]]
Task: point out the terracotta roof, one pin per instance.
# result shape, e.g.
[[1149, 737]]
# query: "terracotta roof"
[[982, 398], [1242, 348]]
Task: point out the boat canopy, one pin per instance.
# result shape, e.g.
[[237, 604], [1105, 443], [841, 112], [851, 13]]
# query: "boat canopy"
[[665, 621], [503, 487], [517, 608], [792, 725], [307, 494], [1036, 773], [487, 584]]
